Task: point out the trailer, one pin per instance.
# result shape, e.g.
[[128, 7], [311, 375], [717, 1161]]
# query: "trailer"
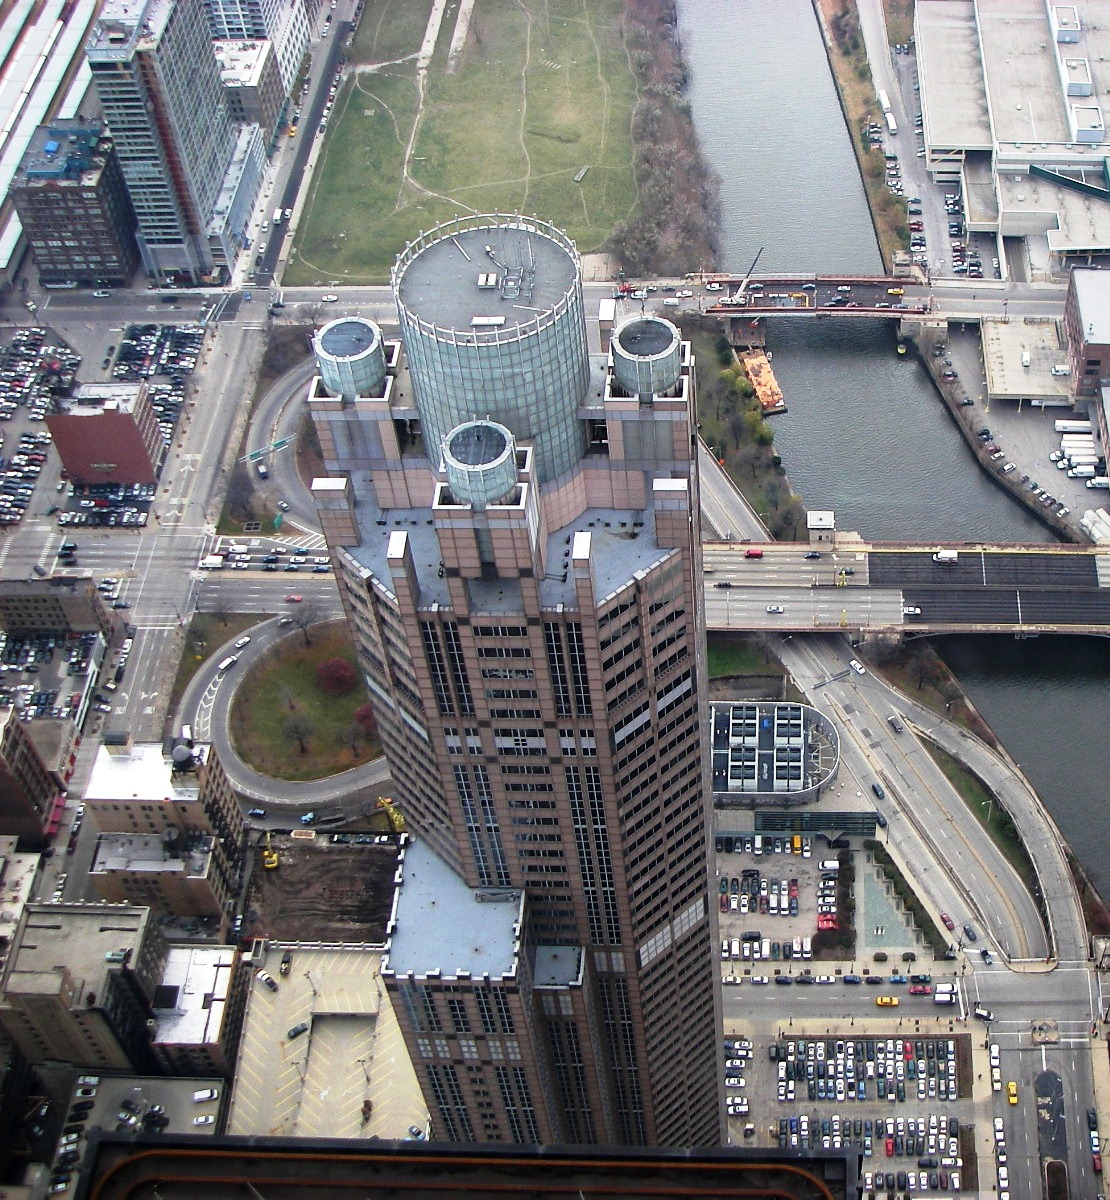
[[891, 123], [946, 556], [1072, 426]]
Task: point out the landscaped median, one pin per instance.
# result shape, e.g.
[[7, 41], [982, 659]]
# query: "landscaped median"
[[301, 711]]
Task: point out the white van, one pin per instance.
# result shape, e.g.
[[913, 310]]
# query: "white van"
[[765, 948], [734, 948], [757, 846], [829, 864], [238, 548], [205, 1094], [807, 947], [228, 662]]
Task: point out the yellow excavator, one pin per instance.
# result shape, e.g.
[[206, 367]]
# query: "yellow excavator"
[[270, 858], [392, 813]]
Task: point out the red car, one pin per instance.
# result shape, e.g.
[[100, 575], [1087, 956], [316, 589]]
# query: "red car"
[[920, 989], [724, 902], [1096, 1162], [293, 599], [947, 921], [890, 1147]]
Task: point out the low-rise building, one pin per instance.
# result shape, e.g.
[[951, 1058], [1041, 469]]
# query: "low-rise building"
[[175, 790], [31, 787], [78, 985], [198, 1010], [54, 606], [108, 433], [173, 874], [17, 880]]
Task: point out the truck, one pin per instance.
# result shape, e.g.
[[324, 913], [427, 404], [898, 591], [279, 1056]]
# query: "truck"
[[891, 123], [278, 213], [944, 997], [1082, 473], [211, 562], [1099, 481], [1072, 426], [946, 556]]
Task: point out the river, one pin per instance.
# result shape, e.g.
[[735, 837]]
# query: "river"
[[866, 434]]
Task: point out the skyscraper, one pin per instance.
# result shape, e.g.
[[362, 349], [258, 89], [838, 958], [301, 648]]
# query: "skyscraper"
[[515, 524], [191, 174]]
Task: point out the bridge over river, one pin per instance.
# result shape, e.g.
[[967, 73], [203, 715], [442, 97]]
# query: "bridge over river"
[[817, 295], [869, 587]]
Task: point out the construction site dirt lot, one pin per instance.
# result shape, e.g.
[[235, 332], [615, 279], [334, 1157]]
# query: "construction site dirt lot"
[[322, 892]]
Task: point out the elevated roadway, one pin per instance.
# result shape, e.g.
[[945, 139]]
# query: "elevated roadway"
[[861, 587]]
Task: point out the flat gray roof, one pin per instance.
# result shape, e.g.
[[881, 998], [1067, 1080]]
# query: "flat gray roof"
[[953, 92], [1020, 61], [76, 935], [440, 284], [1004, 342], [1092, 293], [441, 924], [557, 966]]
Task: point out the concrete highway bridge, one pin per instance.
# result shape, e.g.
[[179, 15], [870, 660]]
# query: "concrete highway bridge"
[[817, 295], [870, 587]]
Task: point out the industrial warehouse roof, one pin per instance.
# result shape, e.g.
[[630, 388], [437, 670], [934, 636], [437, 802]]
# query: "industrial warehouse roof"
[[443, 284]]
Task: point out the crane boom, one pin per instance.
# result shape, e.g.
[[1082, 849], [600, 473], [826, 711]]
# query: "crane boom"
[[744, 282]]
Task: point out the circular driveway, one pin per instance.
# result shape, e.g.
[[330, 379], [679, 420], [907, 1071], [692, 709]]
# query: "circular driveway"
[[206, 705]]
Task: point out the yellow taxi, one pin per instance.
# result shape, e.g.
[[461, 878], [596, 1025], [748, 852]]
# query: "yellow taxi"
[[886, 1001], [1011, 1092]]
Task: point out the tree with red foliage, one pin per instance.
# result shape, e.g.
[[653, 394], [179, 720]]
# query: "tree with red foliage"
[[336, 676]]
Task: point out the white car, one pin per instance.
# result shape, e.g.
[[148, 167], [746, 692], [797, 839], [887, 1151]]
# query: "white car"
[[857, 666], [330, 298], [760, 979], [775, 608], [243, 641]]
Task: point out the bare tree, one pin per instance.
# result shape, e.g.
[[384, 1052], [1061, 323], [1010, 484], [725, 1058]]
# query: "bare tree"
[[306, 615], [298, 727], [352, 737]]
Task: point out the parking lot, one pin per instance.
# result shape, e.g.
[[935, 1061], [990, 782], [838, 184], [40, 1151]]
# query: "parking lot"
[[35, 367], [774, 902], [900, 1104]]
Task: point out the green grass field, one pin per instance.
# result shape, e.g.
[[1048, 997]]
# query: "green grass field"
[[534, 98], [282, 687]]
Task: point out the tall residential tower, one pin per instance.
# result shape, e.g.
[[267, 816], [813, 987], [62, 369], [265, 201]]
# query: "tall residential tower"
[[515, 524], [191, 174]]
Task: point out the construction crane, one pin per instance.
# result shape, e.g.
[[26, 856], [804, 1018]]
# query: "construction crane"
[[270, 858], [744, 282]]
